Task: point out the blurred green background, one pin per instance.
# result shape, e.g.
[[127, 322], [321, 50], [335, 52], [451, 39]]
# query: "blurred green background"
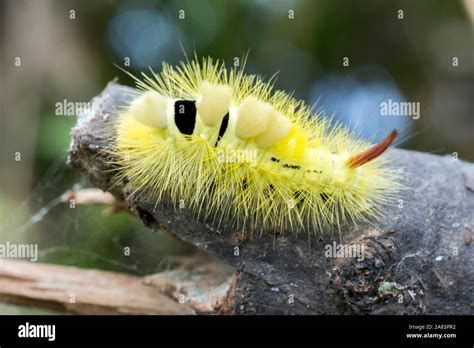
[[68, 48]]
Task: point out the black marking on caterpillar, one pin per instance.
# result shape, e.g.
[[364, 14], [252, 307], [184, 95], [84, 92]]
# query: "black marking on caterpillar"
[[185, 116], [291, 166], [222, 129], [274, 159]]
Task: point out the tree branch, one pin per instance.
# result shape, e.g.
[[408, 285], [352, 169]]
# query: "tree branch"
[[199, 286], [81, 291], [416, 258]]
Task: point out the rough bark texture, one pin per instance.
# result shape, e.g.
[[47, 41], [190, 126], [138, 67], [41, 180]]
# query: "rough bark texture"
[[418, 259], [81, 291], [198, 285]]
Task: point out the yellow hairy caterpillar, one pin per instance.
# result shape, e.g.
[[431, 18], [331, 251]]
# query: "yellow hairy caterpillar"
[[229, 147]]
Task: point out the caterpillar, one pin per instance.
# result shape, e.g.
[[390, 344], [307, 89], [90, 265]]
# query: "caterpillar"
[[230, 147]]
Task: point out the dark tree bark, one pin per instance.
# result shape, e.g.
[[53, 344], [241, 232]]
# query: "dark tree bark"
[[418, 259]]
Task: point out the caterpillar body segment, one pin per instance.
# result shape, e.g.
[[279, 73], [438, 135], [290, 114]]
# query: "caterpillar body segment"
[[214, 102], [228, 147], [252, 118]]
